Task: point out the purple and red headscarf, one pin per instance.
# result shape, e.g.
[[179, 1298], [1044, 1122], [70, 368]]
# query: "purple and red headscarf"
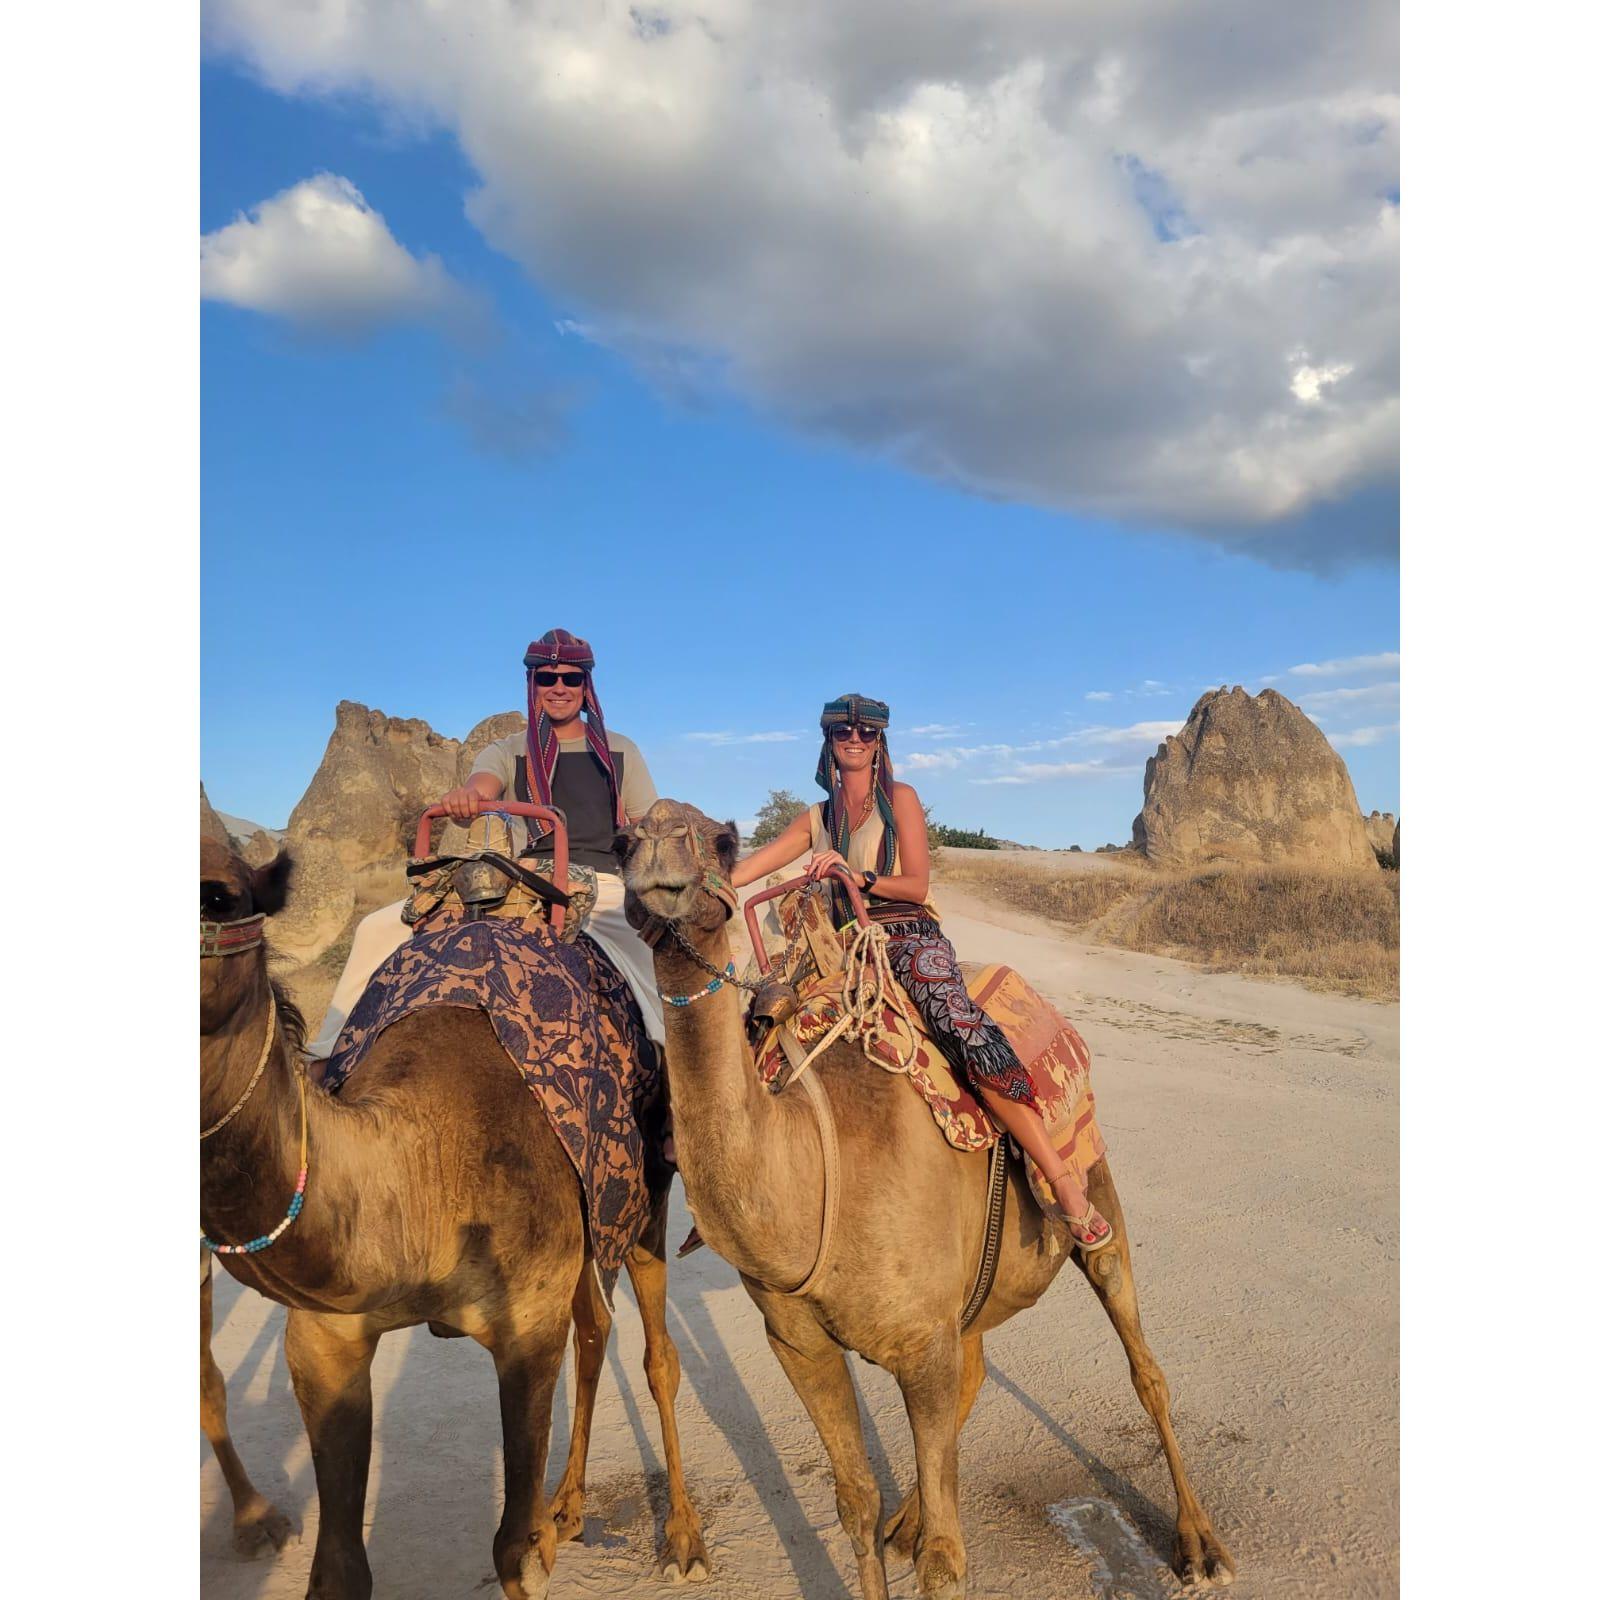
[[558, 648]]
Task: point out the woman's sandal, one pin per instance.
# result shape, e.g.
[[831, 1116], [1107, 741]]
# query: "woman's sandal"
[[1082, 1228]]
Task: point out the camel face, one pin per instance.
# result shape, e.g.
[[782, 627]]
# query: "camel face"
[[229, 892], [665, 857]]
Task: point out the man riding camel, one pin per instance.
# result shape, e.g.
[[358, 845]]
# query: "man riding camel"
[[570, 760]]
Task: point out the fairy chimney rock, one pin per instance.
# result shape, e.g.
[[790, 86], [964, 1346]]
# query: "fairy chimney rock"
[[378, 774], [211, 825], [1250, 779], [1380, 831], [500, 726]]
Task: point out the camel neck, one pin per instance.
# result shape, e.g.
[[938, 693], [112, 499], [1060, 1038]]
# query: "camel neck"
[[749, 1159]]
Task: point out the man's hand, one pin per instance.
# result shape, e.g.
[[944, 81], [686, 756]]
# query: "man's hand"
[[463, 804]]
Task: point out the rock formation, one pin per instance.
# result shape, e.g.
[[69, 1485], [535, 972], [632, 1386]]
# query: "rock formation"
[[377, 776], [1380, 831], [211, 825], [1250, 779], [500, 726]]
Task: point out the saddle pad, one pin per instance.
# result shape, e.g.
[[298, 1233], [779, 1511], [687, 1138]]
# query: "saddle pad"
[[569, 1022], [1046, 1043]]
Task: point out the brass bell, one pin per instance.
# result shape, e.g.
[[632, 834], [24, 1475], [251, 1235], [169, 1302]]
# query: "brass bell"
[[775, 1001]]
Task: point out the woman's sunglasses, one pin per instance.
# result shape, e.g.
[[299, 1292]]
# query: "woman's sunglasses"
[[840, 733], [548, 679]]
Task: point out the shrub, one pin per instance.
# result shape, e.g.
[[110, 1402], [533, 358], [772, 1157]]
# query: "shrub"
[[780, 810]]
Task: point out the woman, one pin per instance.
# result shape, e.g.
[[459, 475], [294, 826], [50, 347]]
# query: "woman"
[[875, 828]]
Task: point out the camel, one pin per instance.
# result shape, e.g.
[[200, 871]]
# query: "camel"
[[908, 1229], [438, 1192]]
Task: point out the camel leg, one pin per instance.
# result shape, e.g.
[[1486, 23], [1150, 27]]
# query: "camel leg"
[[816, 1368], [529, 1367], [930, 1382], [256, 1521], [1200, 1556], [591, 1332], [330, 1363], [900, 1531], [685, 1555]]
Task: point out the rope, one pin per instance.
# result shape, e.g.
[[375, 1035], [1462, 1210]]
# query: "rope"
[[868, 991], [255, 1077]]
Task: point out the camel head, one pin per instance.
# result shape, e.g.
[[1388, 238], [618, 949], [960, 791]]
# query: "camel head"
[[231, 892], [676, 863]]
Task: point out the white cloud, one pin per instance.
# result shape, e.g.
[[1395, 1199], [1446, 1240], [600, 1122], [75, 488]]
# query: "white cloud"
[[1045, 771], [320, 257], [724, 737], [1089, 257], [1099, 694], [938, 730], [1344, 699], [1348, 666], [1363, 736], [1151, 733]]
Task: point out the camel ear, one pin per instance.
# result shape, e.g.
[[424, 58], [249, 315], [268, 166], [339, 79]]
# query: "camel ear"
[[728, 846], [269, 885]]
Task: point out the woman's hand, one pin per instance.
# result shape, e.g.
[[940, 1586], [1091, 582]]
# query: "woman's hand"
[[825, 860], [463, 804]]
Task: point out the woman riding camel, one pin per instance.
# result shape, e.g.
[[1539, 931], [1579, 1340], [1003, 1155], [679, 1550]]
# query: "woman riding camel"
[[875, 827]]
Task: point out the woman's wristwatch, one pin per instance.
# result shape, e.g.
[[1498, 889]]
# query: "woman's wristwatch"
[[867, 881]]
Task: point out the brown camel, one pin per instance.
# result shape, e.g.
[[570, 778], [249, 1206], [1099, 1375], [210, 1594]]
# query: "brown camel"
[[257, 1523], [438, 1193], [908, 1229]]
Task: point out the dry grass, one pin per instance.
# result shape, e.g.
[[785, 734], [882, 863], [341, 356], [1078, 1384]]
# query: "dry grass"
[[1333, 929]]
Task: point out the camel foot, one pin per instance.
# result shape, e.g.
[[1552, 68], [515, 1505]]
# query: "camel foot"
[[904, 1524], [1202, 1559], [527, 1576], [939, 1571], [685, 1560], [260, 1525], [567, 1514]]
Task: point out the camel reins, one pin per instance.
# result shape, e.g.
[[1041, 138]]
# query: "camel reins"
[[218, 939]]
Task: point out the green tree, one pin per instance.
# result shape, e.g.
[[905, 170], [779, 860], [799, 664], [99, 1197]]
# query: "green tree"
[[780, 810]]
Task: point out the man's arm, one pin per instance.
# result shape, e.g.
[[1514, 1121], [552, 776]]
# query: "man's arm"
[[638, 788], [489, 779]]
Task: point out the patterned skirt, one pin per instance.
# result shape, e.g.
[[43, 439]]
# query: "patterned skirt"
[[924, 961]]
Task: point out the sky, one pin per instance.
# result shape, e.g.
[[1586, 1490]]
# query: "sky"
[[1034, 373]]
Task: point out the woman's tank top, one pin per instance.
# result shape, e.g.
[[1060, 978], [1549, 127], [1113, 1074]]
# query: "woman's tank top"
[[866, 845]]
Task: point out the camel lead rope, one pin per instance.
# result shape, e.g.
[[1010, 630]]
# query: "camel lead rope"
[[255, 1077]]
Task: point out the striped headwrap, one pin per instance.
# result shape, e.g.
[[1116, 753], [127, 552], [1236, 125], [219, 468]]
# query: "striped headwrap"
[[864, 713], [563, 649]]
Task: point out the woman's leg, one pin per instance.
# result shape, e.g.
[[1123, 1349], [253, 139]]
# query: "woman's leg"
[[924, 962]]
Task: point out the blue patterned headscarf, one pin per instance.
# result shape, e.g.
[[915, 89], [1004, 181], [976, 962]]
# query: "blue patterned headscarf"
[[864, 712]]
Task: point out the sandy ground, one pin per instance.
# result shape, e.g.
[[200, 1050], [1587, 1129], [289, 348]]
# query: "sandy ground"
[[1253, 1132]]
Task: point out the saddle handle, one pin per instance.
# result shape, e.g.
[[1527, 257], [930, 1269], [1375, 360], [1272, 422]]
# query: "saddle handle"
[[842, 873], [550, 817]]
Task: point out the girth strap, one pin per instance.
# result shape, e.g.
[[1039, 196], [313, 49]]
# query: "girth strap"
[[994, 1220], [830, 1182]]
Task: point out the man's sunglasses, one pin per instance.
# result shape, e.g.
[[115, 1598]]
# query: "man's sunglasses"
[[546, 678], [840, 733]]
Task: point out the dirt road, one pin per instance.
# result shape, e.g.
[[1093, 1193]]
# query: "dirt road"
[[1253, 1130]]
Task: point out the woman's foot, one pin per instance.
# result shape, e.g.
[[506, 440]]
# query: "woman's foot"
[[1090, 1231]]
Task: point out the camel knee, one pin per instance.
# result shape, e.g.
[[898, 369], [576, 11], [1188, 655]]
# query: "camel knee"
[[663, 1372], [213, 1401], [860, 1506]]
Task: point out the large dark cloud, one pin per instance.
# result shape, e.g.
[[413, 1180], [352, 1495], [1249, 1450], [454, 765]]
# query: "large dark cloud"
[[1135, 259]]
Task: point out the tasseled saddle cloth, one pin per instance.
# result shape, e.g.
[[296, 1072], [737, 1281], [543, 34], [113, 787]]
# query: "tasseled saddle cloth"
[[1046, 1043]]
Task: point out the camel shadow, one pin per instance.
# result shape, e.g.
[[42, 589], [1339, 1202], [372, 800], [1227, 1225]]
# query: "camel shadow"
[[1155, 1526], [708, 1365]]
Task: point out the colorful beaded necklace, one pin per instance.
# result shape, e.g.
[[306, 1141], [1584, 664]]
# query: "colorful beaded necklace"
[[699, 994]]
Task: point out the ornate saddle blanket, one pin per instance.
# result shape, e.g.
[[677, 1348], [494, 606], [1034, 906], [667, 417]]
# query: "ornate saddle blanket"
[[1047, 1044], [569, 1022]]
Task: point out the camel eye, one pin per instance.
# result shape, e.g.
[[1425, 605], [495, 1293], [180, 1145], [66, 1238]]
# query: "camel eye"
[[217, 902]]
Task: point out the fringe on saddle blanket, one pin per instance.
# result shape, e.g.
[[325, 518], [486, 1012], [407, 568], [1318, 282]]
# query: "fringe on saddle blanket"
[[893, 1038]]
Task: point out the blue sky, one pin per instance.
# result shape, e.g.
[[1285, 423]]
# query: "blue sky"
[[394, 503]]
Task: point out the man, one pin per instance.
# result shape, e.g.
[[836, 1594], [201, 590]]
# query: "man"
[[568, 759]]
